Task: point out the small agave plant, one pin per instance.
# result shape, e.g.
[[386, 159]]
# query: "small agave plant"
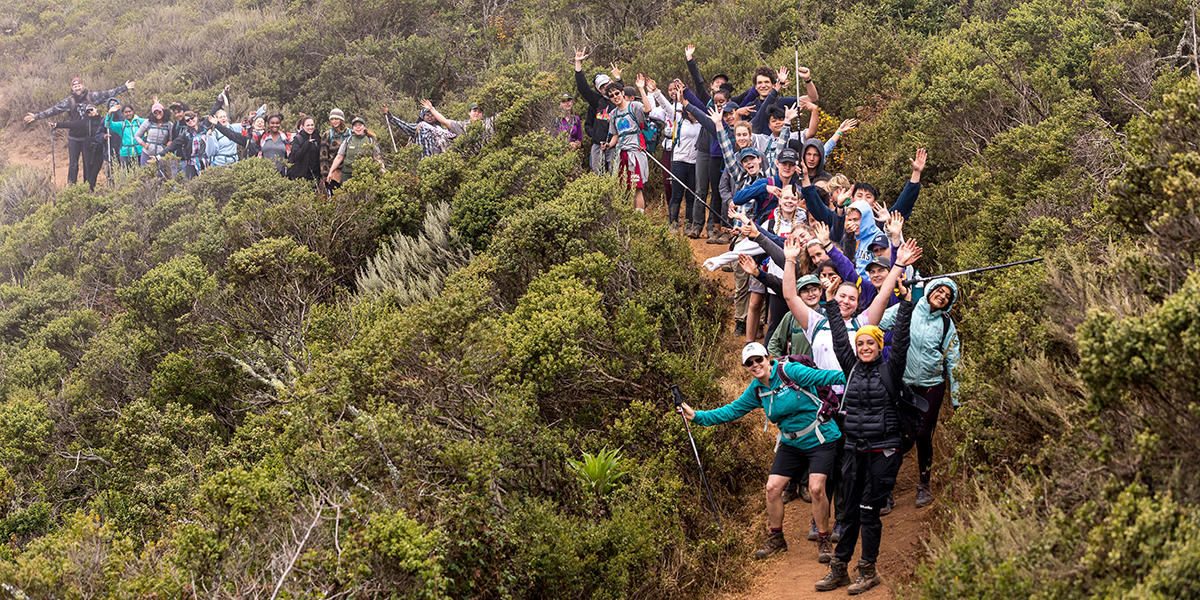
[[600, 473]]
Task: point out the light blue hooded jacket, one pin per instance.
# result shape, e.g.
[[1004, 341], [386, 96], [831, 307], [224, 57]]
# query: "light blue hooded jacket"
[[926, 356], [867, 230]]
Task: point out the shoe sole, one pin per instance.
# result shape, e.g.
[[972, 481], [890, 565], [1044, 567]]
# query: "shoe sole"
[[766, 556], [830, 589], [874, 583]]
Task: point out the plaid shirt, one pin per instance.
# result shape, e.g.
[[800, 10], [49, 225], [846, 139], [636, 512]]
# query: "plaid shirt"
[[769, 168], [433, 140]]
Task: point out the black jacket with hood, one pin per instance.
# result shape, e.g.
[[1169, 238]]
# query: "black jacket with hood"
[[595, 123], [872, 416], [819, 174]]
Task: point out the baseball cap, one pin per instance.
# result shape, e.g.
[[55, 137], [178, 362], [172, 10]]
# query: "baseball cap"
[[807, 280], [753, 349], [748, 152], [358, 120], [473, 106], [729, 107], [882, 261], [788, 155], [565, 97], [880, 241]]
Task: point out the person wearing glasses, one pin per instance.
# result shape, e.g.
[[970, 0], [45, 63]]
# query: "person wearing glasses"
[[786, 392], [194, 145]]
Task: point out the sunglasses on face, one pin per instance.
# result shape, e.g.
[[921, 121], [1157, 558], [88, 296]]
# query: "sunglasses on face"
[[753, 360], [191, 119], [614, 94]]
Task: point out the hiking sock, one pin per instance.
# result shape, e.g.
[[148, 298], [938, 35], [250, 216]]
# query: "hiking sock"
[[776, 529]]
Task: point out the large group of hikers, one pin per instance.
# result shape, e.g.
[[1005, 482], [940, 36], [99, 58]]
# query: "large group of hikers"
[[849, 360]]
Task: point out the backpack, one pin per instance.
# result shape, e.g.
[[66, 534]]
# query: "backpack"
[[652, 134], [826, 397]]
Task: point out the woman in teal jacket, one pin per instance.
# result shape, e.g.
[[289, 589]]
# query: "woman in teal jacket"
[[804, 440], [125, 130], [933, 353]]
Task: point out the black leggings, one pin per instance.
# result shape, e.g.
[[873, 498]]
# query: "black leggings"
[[934, 396], [776, 308], [686, 172]]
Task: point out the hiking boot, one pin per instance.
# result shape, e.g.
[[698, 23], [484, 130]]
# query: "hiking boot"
[[838, 530], [835, 578], [673, 228], [694, 231], [824, 548], [867, 578], [713, 236], [774, 544], [739, 328], [888, 506], [813, 533], [791, 492], [804, 495], [924, 497]]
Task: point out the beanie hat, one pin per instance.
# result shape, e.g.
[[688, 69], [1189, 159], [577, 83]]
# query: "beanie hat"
[[872, 331], [75, 80], [156, 106], [337, 114], [602, 80]]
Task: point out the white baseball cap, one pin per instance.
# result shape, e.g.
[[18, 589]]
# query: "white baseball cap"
[[753, 349]]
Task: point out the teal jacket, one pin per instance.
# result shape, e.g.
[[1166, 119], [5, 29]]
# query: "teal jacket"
[[790, 410], [125, 130], [929, 363]]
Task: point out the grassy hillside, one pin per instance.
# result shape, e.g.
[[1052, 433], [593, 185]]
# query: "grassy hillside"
[[201, 392]]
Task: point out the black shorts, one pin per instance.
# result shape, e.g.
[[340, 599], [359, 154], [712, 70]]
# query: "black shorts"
[[791, 461]]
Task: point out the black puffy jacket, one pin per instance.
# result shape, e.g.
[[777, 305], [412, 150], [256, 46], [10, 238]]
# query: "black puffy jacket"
[[872, 418]]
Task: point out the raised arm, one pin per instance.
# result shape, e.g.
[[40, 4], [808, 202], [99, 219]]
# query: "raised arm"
[[405, 126], [439, 117], [791, 252], [908, 197], [814, 120], [694, 71], [581, 83], [810, 90], [908, 254], [235, 137]]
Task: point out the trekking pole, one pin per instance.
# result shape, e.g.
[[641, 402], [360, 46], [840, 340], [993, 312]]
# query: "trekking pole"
[[724, 219], [797, 74], [390, 134], [108, 158], [53, 168], [712, 503], [978, 270]]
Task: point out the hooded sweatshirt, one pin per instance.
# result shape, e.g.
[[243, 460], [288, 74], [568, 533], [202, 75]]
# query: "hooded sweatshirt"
[[867, 230], [929, 362], [819, 174]]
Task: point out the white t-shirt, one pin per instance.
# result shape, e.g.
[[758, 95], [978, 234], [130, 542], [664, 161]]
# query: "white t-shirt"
[[821, 338]]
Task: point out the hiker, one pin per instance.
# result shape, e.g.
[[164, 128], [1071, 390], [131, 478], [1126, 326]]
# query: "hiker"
[[124, 131], [785, 220], [194, 144], [432, 139], [568, 123], [153, 135], [74, 105], [877, 268], [474, 115], [625, 124], [91, 127], [226, 152], [933, 353], [872, 426], [275, 144], [306, 151], [362, 142], [331, 142], [711, 164], [706, 183], [684, 156], [787, 392], [599, 107]]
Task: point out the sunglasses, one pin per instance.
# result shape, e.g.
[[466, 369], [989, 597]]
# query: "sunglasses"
[[753, 360], [615, 94]]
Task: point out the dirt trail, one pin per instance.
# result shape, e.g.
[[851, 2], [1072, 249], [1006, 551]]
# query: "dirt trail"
[[30, 145], [790, 575]]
